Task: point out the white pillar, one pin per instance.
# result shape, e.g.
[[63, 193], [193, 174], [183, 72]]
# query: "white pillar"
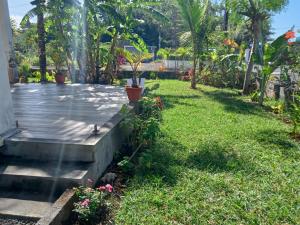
[[7, 38], [7, 121]]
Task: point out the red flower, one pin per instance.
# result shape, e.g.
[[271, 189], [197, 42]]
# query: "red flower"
[[109, 188], [291, 43], [290, 35]]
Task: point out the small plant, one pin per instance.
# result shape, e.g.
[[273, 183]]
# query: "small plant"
[[294, 113], [255, 96], [126, 165], [278, 108], [135, 59], [153, 76], [90, 201]]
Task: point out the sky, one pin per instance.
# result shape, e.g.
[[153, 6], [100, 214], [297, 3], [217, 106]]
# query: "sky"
[[281, 22]]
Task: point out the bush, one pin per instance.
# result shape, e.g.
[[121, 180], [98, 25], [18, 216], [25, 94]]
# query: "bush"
[[144, 126], [153, 76], [24, 70], [294, 113], [35, 77], [90, 201]]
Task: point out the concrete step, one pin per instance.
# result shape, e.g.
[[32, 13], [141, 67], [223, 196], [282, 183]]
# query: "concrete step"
[[31, 205], [54, 150], [45, 177]]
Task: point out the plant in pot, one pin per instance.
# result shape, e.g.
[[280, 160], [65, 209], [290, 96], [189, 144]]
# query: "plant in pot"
[[24, 72], [135, 59], [58, 57]]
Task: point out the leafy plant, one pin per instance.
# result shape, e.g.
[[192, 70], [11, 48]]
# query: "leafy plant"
[[126, 165], [135, 59], [144, 126], [278, 108], [153, 76], [90, 201], [294, 113], [24, 70], [255, 96]]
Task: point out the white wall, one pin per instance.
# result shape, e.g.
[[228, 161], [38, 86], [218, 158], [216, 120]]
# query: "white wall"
[[7, 120]]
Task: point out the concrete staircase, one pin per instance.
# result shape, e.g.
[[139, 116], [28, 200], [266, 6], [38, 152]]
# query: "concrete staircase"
[[28, 188], [44, 177]]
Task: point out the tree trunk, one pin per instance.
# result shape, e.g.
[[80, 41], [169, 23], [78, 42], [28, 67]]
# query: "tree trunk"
[[97, 64], [247, 80], [67, 49], [262, 90], [109, 65], [42, 46], [193, 80], [226, 19]]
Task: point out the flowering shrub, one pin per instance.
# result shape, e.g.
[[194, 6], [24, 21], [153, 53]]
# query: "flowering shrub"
[[230, 43], [90, 201]]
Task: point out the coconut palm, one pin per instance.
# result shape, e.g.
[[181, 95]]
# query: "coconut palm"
[[258, 12], [194, 15], [39, 11]]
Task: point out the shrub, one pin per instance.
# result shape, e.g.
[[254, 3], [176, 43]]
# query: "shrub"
[[144, 128], [35, 77], [90, 201], [24, 70], [153, 76], [125, 165]]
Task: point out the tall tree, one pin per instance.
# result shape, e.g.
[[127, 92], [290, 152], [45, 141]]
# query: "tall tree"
[[194, 15], [258, 12], [38, 11]]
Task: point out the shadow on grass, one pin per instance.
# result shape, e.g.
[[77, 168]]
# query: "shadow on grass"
[[280, 139], [232, 103], [215, 158], [167, 160], [160, 163], [171, 101]]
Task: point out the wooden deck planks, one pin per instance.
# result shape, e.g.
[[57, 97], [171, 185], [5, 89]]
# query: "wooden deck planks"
[[67, 112]]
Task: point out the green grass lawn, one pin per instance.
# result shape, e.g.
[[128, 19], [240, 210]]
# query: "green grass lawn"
[[220, 160]]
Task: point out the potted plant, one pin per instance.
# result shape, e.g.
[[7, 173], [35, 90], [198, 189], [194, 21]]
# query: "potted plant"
[[58, 57], [60, 77], [24, 72], [135, 59]]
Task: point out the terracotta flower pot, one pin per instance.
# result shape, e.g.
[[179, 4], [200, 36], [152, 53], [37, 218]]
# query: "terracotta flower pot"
[[60, 78], [134, 94]]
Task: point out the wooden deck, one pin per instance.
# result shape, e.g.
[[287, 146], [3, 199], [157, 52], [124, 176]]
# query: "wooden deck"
[[64, 113]]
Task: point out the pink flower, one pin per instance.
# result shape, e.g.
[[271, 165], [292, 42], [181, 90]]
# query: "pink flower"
[[109, 188], [85, 202], [101, 188]]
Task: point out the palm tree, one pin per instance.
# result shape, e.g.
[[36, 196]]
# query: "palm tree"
[[194, 15], [258, 12], [38, 11]]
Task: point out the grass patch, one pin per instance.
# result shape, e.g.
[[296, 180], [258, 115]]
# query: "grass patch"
[[220, 160]]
